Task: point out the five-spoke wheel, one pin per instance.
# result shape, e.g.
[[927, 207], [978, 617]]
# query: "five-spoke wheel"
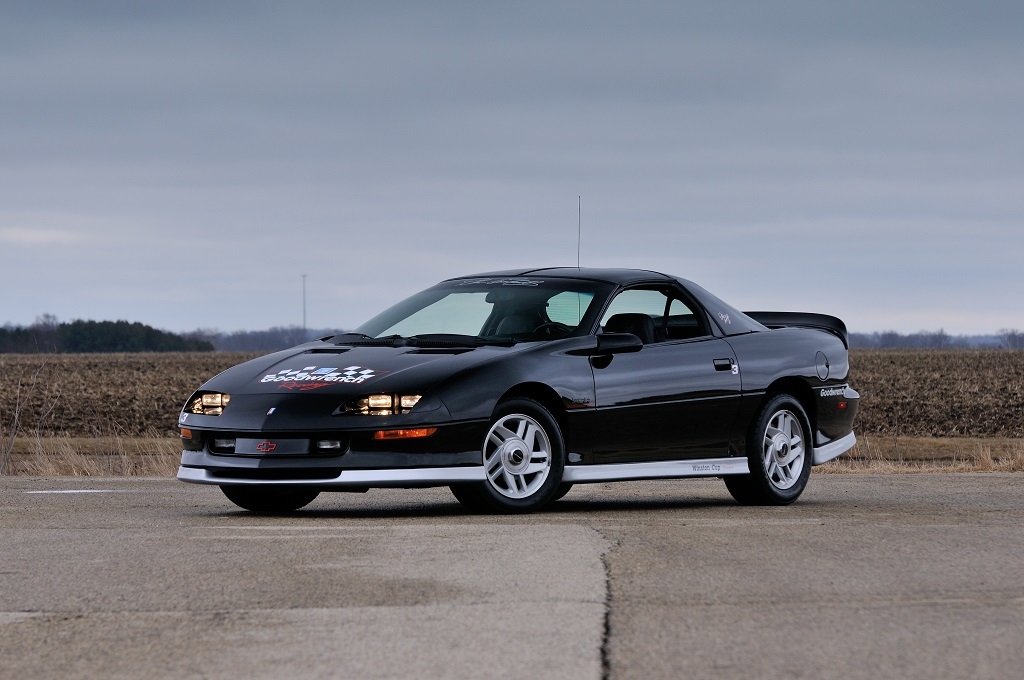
[[778, 454], [782, 449], [523, 459], [517, 456]]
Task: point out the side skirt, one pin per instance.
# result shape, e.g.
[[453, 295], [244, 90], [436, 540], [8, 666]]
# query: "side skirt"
[[703, 467]]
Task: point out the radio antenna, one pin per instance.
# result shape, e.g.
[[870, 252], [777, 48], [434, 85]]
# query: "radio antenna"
[[579, 237], [579, 228]]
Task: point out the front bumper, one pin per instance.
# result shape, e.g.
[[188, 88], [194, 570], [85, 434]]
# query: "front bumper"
[[451, 455], [358, 479]]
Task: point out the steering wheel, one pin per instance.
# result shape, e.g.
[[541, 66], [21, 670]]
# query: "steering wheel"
[[552, 328]]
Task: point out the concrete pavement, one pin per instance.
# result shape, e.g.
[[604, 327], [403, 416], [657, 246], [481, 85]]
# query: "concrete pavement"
[[911, 576]]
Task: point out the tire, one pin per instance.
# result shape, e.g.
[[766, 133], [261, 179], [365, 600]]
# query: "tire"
[[269, 498], [523, 456], [563, 489], [779, 454]]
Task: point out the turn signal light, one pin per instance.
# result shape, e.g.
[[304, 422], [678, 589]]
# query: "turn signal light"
[[417, 433]]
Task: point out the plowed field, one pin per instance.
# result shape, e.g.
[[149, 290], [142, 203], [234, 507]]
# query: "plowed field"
[[905, 393], [103, 395], [939, 393]]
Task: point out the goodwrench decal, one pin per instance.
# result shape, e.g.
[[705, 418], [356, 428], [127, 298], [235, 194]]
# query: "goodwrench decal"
[[834, 391], [306, 378]]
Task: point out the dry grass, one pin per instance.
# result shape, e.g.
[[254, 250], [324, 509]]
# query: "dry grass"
[[929, 454], [95, 456]]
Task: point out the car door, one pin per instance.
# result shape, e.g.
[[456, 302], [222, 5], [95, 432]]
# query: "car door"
[[677, 397]]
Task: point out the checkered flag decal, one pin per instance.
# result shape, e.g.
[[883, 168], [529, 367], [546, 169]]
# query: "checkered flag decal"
[[357, 372]]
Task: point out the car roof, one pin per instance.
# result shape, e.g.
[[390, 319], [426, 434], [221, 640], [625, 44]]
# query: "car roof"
[[622, 277]]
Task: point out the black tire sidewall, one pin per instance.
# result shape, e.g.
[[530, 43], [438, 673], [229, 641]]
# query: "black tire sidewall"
[[755, 455], [269, 499]]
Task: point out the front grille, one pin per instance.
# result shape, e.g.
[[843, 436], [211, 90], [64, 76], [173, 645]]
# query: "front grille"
[[273, 445]]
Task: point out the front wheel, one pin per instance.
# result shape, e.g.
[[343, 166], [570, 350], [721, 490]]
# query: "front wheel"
[[269, 498], [778, 453], [523, 458]]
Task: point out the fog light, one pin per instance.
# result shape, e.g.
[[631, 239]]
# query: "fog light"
[[224, 444], [328, 444]]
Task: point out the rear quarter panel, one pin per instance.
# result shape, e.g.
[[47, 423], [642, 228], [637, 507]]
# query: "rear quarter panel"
[[787, 359]]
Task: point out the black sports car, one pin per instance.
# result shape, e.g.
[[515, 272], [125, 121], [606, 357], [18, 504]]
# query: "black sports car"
[[510, 387]]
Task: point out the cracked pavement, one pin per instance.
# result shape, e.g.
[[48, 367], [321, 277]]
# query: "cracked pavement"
[[916, 576]]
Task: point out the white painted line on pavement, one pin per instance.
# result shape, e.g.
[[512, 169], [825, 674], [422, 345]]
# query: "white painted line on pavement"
[[80, 491]]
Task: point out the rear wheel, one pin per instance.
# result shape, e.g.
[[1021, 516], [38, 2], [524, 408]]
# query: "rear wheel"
[[563, 489], [523, 458], [269, 498], [778, 453]]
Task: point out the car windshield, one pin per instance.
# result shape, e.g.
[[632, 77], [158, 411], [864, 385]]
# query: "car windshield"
[[513, 308]]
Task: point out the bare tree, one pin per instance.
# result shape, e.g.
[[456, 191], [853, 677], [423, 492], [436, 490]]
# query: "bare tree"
[[1011, 338]]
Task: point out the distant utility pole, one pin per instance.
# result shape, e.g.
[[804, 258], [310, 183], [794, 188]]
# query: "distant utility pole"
[[303, 305]]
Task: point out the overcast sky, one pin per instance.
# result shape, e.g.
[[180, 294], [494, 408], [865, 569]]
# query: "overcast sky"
[[183, 163]]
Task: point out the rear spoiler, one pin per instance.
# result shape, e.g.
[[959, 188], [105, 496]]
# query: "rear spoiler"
[[821, 322]]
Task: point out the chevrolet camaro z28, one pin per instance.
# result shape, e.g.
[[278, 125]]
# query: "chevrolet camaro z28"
[[509, 387]]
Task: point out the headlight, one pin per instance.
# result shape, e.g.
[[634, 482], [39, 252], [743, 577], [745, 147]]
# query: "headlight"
[[382, 404], [208, 403], [375, 401]]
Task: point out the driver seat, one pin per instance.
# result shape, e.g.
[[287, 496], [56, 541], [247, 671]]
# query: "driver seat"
[[517, 324], [640, 325]]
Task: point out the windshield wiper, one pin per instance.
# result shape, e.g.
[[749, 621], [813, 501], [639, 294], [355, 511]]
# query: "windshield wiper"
[[422, 340], [364, 340], [455, 340]]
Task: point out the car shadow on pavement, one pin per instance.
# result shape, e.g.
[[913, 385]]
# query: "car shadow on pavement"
[[421, 510]]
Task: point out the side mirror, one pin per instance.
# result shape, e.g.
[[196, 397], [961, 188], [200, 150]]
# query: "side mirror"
[[606, 344], [618, 343]]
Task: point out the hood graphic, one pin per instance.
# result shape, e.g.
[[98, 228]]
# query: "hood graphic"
[[325, 368], [312, 377]]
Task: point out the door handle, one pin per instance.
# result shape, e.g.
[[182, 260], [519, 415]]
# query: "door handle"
[[723, 364]]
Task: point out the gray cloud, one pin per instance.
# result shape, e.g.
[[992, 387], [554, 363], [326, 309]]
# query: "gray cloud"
[[197, 158]]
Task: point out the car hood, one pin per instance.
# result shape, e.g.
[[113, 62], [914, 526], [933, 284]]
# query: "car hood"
[[329, 369]]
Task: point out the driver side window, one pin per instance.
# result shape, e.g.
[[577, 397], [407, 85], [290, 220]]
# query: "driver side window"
[[652, 315]]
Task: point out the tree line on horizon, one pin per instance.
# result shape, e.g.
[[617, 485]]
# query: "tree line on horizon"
[[48, 335], [1005, 338], [269, 340]]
